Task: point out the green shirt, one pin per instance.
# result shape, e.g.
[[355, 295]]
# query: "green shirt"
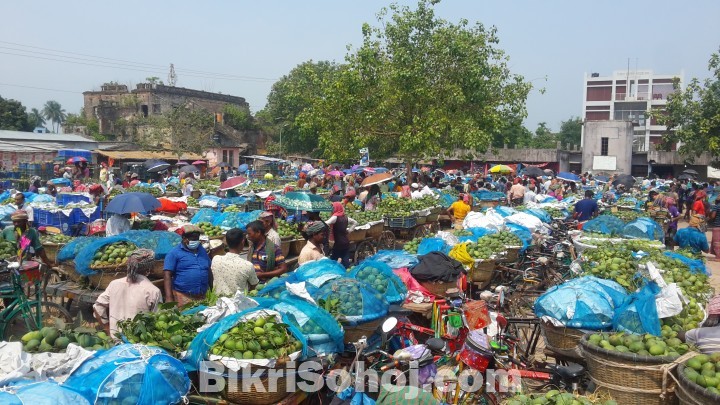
[[9, 234]]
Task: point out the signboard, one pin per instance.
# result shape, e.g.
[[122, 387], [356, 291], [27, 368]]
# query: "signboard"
[[607, 163], [364, 157], [713, 173]]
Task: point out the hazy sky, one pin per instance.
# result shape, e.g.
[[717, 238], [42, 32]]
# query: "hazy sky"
[[251, 44]]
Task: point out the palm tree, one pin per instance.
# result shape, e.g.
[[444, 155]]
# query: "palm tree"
[[54, 112], [35, 118]]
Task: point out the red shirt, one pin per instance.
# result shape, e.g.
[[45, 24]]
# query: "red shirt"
[[699, 207]]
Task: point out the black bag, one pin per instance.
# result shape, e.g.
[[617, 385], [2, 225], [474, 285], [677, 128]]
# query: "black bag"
[[437, 266]]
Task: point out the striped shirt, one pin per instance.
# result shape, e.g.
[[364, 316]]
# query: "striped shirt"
[[259, 258], [706, 339]]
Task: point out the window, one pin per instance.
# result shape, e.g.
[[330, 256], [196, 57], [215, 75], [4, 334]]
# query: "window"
[[144, 109], [156, 108], [231, 158], [604, 146], [225, 156]]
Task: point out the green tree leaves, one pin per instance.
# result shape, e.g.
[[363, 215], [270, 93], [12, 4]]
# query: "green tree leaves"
[[13, 116], [53, 111], [570, 131]]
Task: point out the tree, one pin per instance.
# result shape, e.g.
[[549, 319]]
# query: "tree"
[[570, 131], [54, 112], [13, 116], [692, 116], [544, 138], [291, 99], [513, 134], [182, 130], [238, 118], [417, 87], [154, 80], [88, 125], [36, 119]]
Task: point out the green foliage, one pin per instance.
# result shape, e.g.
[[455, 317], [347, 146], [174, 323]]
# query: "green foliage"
[[570, 131], [544, 138], [418, 86], [154, 80], [53, 111], [693, 116], [35, 118], [13, 116], [238, 118], [182, 130], [91, 124]]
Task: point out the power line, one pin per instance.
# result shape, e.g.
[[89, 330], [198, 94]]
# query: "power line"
[[139, 65], [39, 88]]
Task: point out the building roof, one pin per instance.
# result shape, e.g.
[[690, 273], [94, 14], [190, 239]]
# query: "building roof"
[[24, 147], [147, 154], [39, 137]]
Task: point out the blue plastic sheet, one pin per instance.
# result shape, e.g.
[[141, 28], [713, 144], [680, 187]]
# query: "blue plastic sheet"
[[396, 259], [540, 214], [323, 333], [324, 268], [605, 224], [224, 202], [137, 374], [201, 344], [6, 211], [695, 265], [357, 302], [205, 215], [484, 195], [229, 220], [639, 315], [207, 197], [505, 211], [521, 232], [446, 200], [381, 277], [428, 245], [643, 228], [40, 393], [480, 232]]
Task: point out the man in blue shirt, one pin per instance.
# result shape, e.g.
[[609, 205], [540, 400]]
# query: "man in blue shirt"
[[692, 237], [586, 208], [187, 269]]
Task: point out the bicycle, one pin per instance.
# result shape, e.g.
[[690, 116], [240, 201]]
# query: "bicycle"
[[21, 314]]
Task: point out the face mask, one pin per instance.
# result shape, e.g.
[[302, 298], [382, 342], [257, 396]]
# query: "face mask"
[[193, 244]]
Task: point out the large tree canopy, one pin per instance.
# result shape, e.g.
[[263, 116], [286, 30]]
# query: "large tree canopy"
[[692, 116], [13, 116], [418, 86], [570, 131]]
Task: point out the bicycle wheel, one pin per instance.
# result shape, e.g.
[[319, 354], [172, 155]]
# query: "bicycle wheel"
[[363, 251], [386, 241], [23, 319]]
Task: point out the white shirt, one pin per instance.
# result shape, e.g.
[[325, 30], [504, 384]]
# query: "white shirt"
[[529, 196], [116, 225], [274, 236], [123, 300], [547, 185], [231, 272], [351, 222]]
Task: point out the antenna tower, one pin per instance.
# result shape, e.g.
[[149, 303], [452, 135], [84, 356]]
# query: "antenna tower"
[[172, 77]]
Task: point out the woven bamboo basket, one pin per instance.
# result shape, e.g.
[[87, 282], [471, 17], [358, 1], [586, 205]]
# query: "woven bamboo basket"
[[285, 247], [252, 396], [355, 332], [689, 393], [51, 250], [103, 279], [357, 235], [68, 268], [629, 378], [296, 246], [375, 231], [482, 270], [560, 337], [438, 288]]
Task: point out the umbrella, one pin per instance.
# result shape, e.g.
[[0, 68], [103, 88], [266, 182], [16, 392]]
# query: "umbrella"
[[376, 179], [154, 165], [690, 171], [232, 182], [299, 201], [336, 173], [243, 167], [381, 170], [548, 172], [182, 163], [199, 162], [602, 179], [306, 167], [223, 164], [685, 176], [76, 159], [189, 169], [501, 169], [533, 171], [133, 202], [624, 179], [369, 170], [568, 176]]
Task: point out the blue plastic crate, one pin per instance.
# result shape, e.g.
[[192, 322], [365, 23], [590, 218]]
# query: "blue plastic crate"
[[66, 198], [47, 218], [70, 153], [401, 223]]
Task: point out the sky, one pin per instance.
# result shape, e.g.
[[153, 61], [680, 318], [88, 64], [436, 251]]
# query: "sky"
[[242, 47]]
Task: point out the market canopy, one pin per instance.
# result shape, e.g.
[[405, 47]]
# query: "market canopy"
[[299, 201]]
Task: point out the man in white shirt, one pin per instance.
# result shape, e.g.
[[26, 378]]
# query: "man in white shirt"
[[117, 224], [22, 205], [231, 272]]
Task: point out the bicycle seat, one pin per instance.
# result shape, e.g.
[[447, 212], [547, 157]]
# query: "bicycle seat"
[[569, 372], [399, 310]]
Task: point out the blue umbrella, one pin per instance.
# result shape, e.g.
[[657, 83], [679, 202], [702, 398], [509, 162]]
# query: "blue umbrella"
[[602, 179], [381, 170], [133, 202], [243, 167], [568, 176]]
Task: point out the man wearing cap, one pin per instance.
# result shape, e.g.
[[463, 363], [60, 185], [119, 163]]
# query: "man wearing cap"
[[187, 269], [268, 220], [23, 206], [21, 233], [707, 337], [313, 249]]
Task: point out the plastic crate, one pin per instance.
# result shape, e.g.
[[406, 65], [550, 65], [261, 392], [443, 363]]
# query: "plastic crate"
[[403, 223], [71, 153], [65, 198], [255, 206]]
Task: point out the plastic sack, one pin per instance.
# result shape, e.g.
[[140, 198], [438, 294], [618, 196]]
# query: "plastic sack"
[[87, 254], [318, 272], [199, 349], [639, 315], [136, 374], [605, 224], [323, 333], [489, 220], [381, 277], [530, 222], [695, 265], [209, 201], [72, 248], [396, 259], [540, 214], [428, 245], [204, 215], [40, 393], [643, 228], [613, 291], [351, 301]]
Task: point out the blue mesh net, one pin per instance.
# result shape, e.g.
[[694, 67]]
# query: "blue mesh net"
[[134, 373], [161, 242], [210, 198], [40, 393], [480, 232], [323, 333], [201, 344], [275, 287], [485, 195], [639, 315], [381, 277], [319, 271], [224, 202], [205, 215], [643, 228], [351, 301], [69, 251], [505, 211], [229, 220], [428, 245], [605, 224], [695, 265], [521, 232], [87, 254], [540, 214], [396, 259], [446, 200]]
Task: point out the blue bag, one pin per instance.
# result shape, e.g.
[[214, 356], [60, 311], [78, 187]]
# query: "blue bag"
[[355, 302], [40, 393], [428, 245], [381, 277], [639, 315]]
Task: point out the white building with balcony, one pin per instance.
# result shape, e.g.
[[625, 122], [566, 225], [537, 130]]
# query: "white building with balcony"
[[628, 95]]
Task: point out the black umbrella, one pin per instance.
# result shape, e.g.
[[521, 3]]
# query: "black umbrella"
[[548, 172], [685, 176], [534, 172], [189, 169], [625, 180], [690, 171], [154, 165], [223, 164]]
